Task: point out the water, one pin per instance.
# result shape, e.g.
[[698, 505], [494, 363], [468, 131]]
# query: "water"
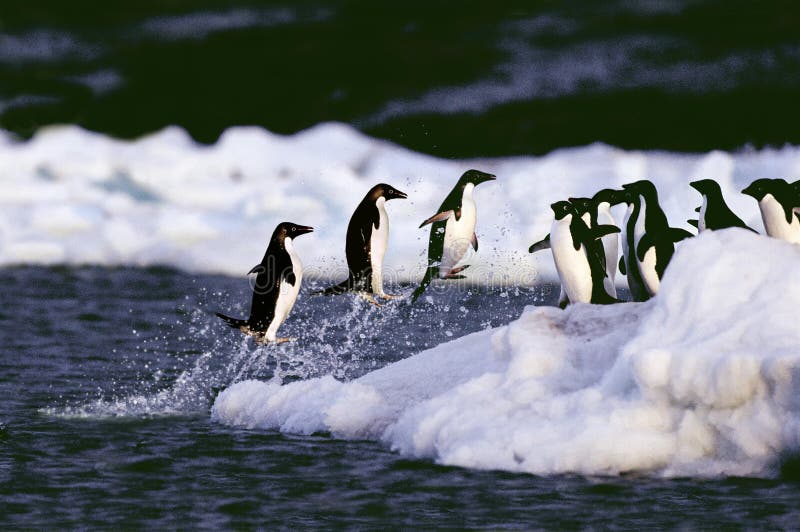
[[455, 81], [108, 375]]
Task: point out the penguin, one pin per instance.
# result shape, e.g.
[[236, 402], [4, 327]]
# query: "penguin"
[[277, 283], [578, 255], [598, 208], [563, 299], [777, 201], [654, 240], [452, 231], [627, 262], [714, 212], [365, 245]]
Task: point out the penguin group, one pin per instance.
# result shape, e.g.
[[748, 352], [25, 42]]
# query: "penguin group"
[[583, 235], [584, 239], [280, 272]]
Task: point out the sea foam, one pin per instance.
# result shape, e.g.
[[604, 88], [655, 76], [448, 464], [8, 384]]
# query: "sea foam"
[[703, 380], [72, 196]]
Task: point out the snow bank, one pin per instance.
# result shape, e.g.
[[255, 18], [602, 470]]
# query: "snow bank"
[[703, 380], [72, 196]]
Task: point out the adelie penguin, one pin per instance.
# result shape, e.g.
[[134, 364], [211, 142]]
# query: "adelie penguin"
[[594, 211], [365, 246], [578, 255], [653, 239], [777, 200], [452, 231], [599, 209], [628, 264], [714, 212], [277, 283]]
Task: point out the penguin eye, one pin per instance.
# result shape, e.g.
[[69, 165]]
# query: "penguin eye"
[[294, 229], [391, 191]]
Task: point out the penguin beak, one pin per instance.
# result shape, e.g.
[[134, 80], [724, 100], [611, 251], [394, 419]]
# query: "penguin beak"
[[303, 229], [489, 177], [749, 191], [400, 195], [693, 184]]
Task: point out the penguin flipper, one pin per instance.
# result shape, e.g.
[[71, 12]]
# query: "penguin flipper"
[[258, 268], [474, 241], [677, 234], [540, 245], [600, 231], [439, 217], [644, 244], [622, 268], [236, 323]]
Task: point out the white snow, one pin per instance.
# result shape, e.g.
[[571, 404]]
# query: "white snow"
[[702, 381], [73, 196]]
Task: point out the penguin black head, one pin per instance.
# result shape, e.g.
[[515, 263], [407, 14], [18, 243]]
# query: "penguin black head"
[[610, 196], [476, 177], [290, 230], [644, 188], [706, 187], [382, 190], [582, 205], [562, 209], [759, 188]]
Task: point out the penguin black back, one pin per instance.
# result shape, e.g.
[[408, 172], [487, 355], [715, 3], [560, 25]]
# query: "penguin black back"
[[716, 214], [274, 268], [358, 242]]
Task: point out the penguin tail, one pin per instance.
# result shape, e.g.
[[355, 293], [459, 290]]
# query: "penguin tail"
[[429, 275], [340, 288], [233, 322]]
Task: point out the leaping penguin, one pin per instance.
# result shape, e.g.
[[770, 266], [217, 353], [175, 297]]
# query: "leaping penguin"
[[578, 255], [714, 212], [777, 201], [365, 246], [654, 239], [277, 284], [452, 231]]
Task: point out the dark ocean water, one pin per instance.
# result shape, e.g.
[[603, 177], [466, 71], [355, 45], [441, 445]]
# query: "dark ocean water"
[[107, 376], [447, 78]]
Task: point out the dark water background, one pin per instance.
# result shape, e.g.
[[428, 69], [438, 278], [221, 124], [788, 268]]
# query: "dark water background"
[[447, 78], [107, 376]]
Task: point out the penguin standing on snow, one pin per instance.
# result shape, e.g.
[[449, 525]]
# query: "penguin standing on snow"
[[714, 212], [578, 255], [599, 209], [628, 265], [365, 246], [654, 240], [777, 200], [277, 284], [452, 231]]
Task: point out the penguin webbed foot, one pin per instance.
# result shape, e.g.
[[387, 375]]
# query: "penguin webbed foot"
[[389, 297], [453, 274], [369, 298]]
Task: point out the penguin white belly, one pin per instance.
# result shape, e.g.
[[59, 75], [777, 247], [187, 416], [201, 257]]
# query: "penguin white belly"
[[647, 266], [775, 220], [647, 269], [701, 220], [287, 294], [623, 235], [377, 245], [611, 248], [571, 264], [458, 233]]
